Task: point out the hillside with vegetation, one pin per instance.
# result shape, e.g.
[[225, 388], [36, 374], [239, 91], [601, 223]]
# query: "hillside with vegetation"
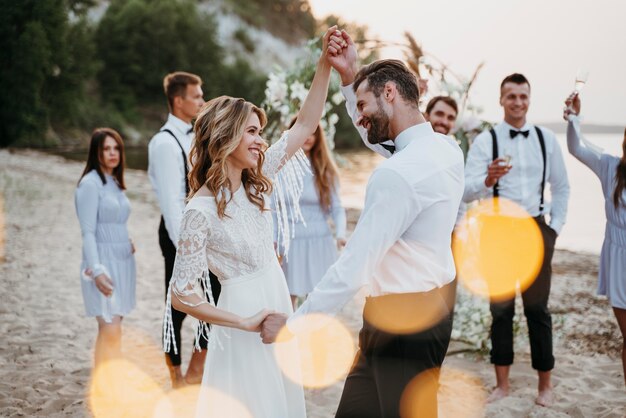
[[71, 65]]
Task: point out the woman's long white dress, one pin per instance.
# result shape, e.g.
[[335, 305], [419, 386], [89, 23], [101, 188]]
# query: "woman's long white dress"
[[239, 250]]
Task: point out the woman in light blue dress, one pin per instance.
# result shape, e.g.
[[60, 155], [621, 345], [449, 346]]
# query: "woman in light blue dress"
[[313, 249], [611, 171], [108, 263]]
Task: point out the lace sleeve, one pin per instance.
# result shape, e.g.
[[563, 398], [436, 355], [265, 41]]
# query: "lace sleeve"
[[190, 282], [276, 156], [287, 175]]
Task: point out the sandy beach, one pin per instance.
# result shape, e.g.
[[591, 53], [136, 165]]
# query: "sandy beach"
[[47, 345]]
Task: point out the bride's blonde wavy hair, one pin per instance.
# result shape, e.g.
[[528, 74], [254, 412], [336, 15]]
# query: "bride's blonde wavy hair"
[[219, 128]]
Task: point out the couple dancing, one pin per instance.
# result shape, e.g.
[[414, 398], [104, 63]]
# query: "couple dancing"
[[401, 245]]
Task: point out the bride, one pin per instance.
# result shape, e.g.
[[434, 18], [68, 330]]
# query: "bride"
[[227, 228]]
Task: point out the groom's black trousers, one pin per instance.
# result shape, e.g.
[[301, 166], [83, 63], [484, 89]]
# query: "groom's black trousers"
[[386, 363]]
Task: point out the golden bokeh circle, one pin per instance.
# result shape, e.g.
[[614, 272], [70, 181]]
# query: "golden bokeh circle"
[[416, 399], [120, 389], [322, 353], [182, 403], [498, 248], [458, 394], [461, 393], [408, 313]]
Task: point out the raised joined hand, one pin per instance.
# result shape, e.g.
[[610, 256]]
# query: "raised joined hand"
[[342, 56]]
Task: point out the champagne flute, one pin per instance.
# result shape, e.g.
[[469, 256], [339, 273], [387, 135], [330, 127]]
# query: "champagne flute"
[[581, 79], [507, 156]]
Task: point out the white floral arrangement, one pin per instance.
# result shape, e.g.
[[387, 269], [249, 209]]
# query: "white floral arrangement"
[[286, 90], [448, 83], [472, 321]]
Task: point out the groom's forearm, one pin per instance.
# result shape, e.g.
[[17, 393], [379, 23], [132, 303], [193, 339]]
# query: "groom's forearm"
[[347, 76]]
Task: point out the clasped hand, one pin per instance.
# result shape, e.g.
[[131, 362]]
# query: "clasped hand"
[[272, 326]]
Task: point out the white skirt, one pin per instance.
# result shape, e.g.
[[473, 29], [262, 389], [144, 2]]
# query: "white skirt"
[[239, 365]]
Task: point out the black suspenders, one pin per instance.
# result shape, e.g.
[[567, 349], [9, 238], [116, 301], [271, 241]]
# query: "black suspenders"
[[496, 187], [182, 151]]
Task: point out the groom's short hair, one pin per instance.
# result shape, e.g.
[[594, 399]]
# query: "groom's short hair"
[[380, 72], [175, 85]]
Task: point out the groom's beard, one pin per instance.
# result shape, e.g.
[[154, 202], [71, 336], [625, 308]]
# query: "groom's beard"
[[379, 127]]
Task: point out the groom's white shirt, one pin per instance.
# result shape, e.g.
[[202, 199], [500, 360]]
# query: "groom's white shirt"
[[401, 243]]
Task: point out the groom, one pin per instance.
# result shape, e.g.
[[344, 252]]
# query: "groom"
[[400, 246]]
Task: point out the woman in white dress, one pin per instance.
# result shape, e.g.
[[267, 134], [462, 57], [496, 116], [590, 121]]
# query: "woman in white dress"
[[227, 228]]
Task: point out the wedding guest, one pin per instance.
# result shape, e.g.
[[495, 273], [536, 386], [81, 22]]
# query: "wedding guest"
[[441, 112], [611, 171], [108, 264], [168, 166], [400, 246], [313, 249], [533, 158]]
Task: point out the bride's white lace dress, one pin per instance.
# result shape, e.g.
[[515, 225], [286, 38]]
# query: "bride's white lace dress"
[[239, 249]]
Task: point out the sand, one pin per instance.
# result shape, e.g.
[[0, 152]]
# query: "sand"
[[47, 342]]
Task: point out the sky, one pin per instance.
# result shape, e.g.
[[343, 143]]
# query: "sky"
[[546, 40]]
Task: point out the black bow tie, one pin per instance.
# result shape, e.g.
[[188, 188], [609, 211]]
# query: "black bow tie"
[[190, 131], [514, 133], [390, 148]]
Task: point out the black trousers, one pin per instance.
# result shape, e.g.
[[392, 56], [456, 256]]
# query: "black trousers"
[[387, 363], [169, 254], [537, 314]]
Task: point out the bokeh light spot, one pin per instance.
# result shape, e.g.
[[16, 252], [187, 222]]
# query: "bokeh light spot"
[[461, 394], [417, 398], [408, 313], [182, 403], [497, 248], [326, 351], [120, 389]]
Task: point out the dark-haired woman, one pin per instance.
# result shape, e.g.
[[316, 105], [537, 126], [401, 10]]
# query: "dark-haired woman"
[[108, 264], [611, 171]]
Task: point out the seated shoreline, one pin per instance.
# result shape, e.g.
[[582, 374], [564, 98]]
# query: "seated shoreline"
[[47, 355]]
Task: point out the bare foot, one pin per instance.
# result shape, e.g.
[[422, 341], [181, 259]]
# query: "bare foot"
[[176, 376], [196, 367], [497, 394], [545, 398], [193, 378]]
